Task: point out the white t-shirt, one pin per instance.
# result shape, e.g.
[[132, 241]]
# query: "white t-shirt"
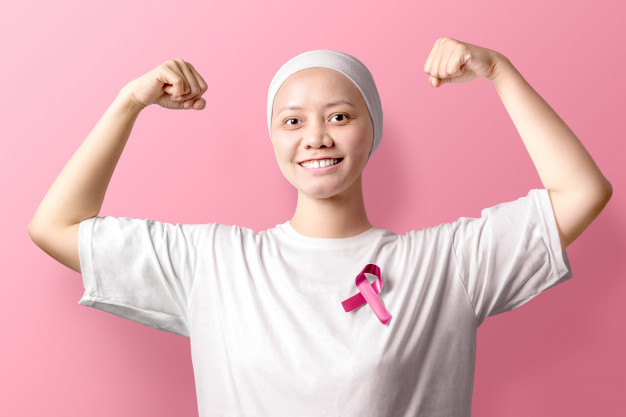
[[269, 335]]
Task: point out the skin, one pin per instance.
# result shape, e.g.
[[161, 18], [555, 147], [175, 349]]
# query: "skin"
[[330, 205], [577, 188]]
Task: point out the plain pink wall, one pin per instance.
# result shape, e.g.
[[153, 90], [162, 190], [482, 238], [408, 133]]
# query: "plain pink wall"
[[445, 153]]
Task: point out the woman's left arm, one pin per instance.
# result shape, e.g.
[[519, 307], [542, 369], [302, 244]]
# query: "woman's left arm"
[[577, 188]]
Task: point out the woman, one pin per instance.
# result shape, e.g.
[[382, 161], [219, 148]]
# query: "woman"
[[326, 315]]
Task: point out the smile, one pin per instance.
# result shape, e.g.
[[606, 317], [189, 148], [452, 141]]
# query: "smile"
[[321, 165]]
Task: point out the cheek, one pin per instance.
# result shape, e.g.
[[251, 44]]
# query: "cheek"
[[359, 141], [283, 151]]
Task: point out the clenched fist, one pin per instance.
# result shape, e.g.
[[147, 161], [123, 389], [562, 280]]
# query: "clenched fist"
[[452, 61], [174, 84]]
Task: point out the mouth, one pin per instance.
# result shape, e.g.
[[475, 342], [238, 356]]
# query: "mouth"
[[321, 165]]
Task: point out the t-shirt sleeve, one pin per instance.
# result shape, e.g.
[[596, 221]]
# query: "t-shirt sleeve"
[[510, 254], [142, 270]]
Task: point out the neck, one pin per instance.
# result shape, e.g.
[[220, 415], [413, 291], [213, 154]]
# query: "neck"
[[339, 216]]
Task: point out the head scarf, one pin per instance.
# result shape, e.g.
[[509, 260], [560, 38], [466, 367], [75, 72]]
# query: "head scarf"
[[346, 64]]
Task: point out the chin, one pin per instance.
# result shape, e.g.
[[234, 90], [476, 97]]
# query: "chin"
[[316, 193], [321, 193]]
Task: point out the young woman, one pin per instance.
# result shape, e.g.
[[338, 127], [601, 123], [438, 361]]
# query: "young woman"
[[325, 314]]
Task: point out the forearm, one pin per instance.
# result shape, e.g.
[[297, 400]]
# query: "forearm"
[[561, 160], [78, 191]]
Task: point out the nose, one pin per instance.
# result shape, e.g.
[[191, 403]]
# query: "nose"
[[317, 136]]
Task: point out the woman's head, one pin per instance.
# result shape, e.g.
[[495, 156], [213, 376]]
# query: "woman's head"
[[323, 104]]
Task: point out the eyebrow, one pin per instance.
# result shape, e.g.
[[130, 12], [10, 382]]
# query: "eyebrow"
[[331, 104]]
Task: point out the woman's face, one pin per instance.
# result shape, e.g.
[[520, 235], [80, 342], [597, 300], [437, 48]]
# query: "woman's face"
[[319, 114]]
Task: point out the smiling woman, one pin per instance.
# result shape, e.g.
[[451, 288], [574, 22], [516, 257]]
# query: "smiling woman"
[[333, 102], [287, 321], [322, 143]]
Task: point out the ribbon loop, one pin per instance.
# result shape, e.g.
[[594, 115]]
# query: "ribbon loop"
[[368, 293]]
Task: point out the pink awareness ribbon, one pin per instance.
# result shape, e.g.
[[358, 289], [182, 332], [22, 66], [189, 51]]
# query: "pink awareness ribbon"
[[368, 293]]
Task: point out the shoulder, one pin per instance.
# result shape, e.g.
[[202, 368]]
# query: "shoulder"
[[431, 236]]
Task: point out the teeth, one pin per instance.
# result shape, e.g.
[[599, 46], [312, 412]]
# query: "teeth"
[[319, 163]]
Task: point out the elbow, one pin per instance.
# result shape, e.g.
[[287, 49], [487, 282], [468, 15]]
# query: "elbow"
[[33, 233], [606, 191], [29, 229], [602, 195], [609, 190]]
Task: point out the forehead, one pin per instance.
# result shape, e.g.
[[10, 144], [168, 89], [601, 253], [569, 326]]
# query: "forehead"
[[320, 80]]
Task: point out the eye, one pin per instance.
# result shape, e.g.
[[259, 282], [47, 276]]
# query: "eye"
[[344, 116], [287, 121]]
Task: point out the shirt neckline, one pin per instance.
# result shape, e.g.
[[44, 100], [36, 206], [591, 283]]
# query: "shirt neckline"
[[329, 242]]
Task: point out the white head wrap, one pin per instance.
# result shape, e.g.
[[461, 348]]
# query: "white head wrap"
[[345, 64]]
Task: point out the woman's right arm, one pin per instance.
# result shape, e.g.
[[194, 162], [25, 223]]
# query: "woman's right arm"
[[78, 192]]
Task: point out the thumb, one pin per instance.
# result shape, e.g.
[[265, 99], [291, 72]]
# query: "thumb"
[[193, 104], [436, 82]]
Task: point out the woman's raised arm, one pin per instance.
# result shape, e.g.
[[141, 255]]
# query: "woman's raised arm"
[[578, 190], [78, 192]]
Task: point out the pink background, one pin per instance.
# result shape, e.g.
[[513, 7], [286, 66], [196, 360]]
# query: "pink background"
[[445, 153]]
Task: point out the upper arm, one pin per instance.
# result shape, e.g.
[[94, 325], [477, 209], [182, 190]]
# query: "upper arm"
[[61, 243], [574, 212]]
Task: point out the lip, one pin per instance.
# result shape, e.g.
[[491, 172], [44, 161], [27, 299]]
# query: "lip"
[[320, 158], [321, 170]]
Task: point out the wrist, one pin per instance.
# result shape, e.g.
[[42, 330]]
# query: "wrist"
[[126, 96], [501, 65], [504, 74]]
